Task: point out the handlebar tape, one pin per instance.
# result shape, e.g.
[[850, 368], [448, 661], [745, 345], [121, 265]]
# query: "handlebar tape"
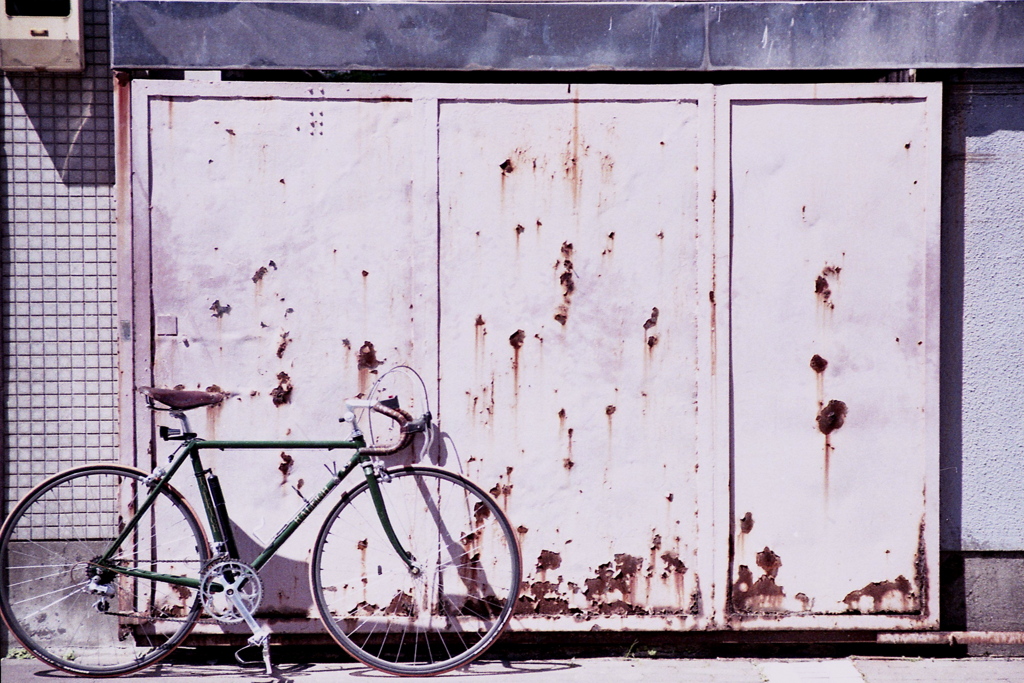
[[399, 416]]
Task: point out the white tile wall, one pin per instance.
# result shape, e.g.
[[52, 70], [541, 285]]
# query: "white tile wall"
[[59, 266]]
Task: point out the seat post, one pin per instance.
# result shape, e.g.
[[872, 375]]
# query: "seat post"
[[180, 414]]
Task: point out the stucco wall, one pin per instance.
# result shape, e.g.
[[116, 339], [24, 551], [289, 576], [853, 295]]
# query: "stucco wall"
[[983, 507]]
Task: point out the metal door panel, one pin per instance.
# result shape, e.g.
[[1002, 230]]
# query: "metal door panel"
[[568, 346], [834, 355], [289, 268]]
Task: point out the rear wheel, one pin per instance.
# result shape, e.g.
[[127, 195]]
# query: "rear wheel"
[[73, 611], [450, 607]]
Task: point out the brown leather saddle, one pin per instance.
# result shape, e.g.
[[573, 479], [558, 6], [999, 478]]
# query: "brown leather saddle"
[[181, 399]]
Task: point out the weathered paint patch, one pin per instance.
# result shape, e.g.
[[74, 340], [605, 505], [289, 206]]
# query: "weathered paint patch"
[[282, 345], [831, 417], [882, 597], [762, 595], [285, 467], [282, 393], [548, 559], [219, 310], [818, 364]]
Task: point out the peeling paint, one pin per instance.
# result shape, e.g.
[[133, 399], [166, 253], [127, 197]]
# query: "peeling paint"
[[881, 597], [285, 467], [367, 357], [818, 364], [764, 594], [219, 311], [548, 559], [283, 344], [282, 393], [567, 281], [653, 319], [831, 417]]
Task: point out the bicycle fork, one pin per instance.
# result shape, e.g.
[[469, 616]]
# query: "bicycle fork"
[[374, 474]]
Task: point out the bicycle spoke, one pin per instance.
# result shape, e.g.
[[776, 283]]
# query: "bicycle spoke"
[[47, 550], [433, 619]]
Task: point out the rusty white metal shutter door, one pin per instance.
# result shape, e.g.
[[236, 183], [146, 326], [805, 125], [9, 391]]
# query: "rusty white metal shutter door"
[[641, 308], [834, 342]]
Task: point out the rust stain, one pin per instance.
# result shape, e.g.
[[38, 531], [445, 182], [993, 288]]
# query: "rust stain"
[[696, 600], [219, 311], [568, 462], [479, 335], [821, 288], [673, 565], [747, 523], [621, 579], [653, 319], [548, 559], [831, 417], [567, 281], [282, 393], [480, 513], [367, 364], [881, 597], [259, 274], [571, 160], [818, 364], [769, 562], [764, 594], [283, 344], [502, 491], [285, 467], [543, 598], [609, 247], [516, 340], [823, 285], [507, 167], [921, 571]]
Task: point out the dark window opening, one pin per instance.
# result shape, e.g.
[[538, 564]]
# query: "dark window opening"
[[38, 8]]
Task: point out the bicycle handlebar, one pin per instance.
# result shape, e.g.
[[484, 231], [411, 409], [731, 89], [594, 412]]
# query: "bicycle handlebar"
[[402, 418]]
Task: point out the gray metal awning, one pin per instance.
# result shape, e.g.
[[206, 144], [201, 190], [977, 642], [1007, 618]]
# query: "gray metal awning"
[[546, 36]]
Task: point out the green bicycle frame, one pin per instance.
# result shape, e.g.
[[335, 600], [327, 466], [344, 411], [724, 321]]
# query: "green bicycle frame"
[[191, 450]]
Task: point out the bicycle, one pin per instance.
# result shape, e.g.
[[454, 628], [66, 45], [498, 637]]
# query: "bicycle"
[[106, 569]]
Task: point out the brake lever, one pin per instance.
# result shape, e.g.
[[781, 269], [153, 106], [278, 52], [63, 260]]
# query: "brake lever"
[[418, 425]]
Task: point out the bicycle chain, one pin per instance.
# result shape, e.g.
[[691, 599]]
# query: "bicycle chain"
[[201, 620]]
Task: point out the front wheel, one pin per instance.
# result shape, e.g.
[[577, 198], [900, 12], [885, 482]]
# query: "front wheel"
[[444, 611], [72, 609]]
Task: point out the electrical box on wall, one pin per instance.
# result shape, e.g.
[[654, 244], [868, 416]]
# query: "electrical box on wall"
[[41, 35]]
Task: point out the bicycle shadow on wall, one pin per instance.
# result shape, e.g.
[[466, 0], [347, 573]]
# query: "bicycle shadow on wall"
[[286, 582]]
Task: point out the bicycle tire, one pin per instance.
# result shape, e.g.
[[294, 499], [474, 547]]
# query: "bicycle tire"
[[445, 617], [47, 548]]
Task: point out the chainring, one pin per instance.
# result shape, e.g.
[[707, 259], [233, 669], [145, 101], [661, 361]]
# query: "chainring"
[[224, 578]]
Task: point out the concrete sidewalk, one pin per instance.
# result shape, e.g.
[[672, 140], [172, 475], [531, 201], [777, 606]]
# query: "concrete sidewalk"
[[601, 670]]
